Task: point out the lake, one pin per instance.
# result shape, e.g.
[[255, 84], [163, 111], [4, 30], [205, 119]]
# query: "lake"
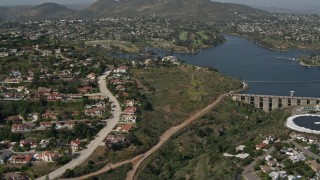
[[246, 60]]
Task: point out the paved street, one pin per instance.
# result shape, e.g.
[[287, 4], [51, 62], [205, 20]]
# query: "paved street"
[[248, 170], [84, 154]]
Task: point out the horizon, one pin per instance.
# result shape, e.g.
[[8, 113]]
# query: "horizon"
[[283, 6], [269, 3]]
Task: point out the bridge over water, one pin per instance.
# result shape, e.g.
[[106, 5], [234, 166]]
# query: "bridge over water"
[[269, 102]]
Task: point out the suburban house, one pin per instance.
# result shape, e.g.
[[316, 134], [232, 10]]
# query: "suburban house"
[[44, 90], [122, 69], [298, 157], [129, 118], [92, 76], [21, 159], [28, 141], [50, 115], [21, 127], [85, 89], [261, 146], [46, 156], [98, 111], [130, 103], [124, 128], [55, 97], [75, 144], [130, 110], [45, 125], [115, 138]]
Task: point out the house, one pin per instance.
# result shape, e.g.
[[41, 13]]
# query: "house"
[[43, 143], [15, 119], [55, 97], [21, 127], [60, 125], [92, 76], [290, 177], [44, 90], [75, 113], [268, 158], [115, 139], [95, 96], [130, 110], [28, 141], [85, 89], [275, 175], [242, 155], [50, 115], [265, 169], [314, 165], [46, 53], [75, 144], [261, 146], [94, 111], [117, 81], [120, 88], [130, 103], [240, 148], [298, 157], [124, 128], [21, 159], [15, 176], [121, 69], [70, 124], [171, 59], [129, 118], [45, 125], [46, 156]]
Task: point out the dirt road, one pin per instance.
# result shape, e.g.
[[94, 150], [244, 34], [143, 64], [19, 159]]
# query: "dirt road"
[[169, 133]]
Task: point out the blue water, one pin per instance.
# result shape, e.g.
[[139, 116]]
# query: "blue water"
[[308, 122], [244, 59]]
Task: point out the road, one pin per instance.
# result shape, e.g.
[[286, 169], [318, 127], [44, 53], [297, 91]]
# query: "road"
[[85, 154], [304, 150], [169, 133], [107, 168], [248, 170]]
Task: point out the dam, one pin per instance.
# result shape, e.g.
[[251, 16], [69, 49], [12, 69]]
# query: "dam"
[[269, 102]]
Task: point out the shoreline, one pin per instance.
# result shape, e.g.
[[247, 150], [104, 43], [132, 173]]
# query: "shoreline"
[[271, 48]]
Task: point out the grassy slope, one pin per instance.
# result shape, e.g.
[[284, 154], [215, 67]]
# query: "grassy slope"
[[174, 97], [175, 93], [178, 93], [197, 151]]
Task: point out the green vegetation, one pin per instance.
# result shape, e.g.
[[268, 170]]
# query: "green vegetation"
[[196, 152], [183, 36], [312, 60], [118, 173]]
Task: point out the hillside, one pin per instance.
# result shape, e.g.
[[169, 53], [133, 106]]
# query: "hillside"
[[201, 10], [43, 11]]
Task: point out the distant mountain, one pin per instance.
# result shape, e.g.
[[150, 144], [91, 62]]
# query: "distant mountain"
[[203, 10], [200, 10], [43, 11]]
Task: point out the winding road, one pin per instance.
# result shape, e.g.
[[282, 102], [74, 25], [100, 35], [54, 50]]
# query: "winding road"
[[85, 154]]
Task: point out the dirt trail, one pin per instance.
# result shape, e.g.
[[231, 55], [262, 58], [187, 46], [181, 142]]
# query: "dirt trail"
[[138, 160], [169, 133], [108, 167]]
